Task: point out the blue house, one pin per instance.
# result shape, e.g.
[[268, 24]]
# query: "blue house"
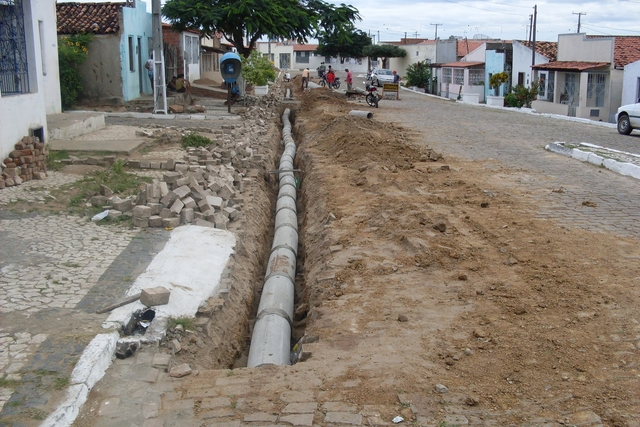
[[114, 71]]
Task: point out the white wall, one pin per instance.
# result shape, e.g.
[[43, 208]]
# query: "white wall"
[[576, 47], [631, 83], [415, 53], [27, 111], [477, 55], [522, 62]]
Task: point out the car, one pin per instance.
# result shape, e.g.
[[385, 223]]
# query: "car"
[[381, 76], [628, 118]]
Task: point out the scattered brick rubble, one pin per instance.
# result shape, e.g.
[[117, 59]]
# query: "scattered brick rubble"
[[25, 163]]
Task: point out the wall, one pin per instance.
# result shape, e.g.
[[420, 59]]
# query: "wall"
[[550, 108], [102, 70], [522, 61], [136, 24], [276, 50], [477, 55], [415, 53], [631, 82], [28, 111], [494, 63], [576, 47], [447, 51]]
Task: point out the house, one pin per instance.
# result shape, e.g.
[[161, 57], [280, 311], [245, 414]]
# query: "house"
[[280, 53], [210, 54], [114, 69], [523, 58], [418, 50], [631, 83], [181, 52], [286, 55], [459, 68], [586, 80], [29, 78]]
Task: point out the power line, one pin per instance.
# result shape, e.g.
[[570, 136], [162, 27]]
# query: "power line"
[[484, 10], [610, 28]]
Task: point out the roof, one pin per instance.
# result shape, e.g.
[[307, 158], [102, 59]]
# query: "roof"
[[547, 49], [626, 50], [405, 41], [305, 47], [462, 64], [571, 65], [466, 46], [95, 18]]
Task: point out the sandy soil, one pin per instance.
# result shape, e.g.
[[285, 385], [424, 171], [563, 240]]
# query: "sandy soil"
[[434, 273]]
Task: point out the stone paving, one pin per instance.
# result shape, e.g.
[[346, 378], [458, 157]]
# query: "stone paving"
[[36, 191]]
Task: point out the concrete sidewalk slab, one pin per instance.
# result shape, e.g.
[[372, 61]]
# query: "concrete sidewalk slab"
[[114, 146], [71, 125]]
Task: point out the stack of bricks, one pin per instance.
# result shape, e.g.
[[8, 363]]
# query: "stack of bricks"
[[25, 163]]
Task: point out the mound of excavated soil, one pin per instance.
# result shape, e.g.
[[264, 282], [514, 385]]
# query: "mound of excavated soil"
[[422, 272]]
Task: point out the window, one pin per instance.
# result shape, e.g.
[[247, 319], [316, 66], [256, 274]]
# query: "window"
[[14, 70], [132, 66], [458, 76], [475, 77], [42, 45], [446, 75], [417, 53], [521, 79], [542, 82], [596, 87], [302, 57]]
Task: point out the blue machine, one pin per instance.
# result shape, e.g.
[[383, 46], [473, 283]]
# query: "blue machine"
[[230, 67]]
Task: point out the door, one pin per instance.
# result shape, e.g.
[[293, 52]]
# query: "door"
[[285, 60], [141, 69]]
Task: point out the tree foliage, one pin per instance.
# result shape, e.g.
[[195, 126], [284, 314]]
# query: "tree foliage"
[[347, 44], [498, 79], [244, 22], [257, 69], [384, 51], [418, 74], [72, 51]]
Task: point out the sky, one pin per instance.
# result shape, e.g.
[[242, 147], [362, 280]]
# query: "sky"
[[502, 19]]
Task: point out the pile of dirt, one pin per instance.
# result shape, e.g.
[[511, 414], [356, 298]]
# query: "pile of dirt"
[[423, 274]]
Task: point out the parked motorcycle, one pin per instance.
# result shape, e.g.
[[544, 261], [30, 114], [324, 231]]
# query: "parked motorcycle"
[[334, 85], [372, 96]]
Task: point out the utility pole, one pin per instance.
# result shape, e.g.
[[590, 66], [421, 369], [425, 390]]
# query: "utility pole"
[[533, 42], [579, 16], [530, 26], [405, 37], [436, 25], [378, 36]]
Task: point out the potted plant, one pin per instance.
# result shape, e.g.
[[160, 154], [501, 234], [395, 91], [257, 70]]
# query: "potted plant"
[[258, 71], [497, 80]]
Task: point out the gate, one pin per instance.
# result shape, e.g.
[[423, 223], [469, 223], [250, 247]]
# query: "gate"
[[14, 70]]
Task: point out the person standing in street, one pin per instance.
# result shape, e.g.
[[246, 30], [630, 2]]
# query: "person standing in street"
[[349, 79], [396, 80], [305, 78], [149, 66]]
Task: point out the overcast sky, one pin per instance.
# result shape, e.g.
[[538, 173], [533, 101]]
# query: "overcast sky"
[[505, 19]]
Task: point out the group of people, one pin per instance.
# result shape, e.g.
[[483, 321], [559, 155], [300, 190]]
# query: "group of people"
[[176, 84]]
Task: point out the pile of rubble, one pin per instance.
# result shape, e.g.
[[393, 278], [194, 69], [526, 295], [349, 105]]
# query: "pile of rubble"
[[25, 163]]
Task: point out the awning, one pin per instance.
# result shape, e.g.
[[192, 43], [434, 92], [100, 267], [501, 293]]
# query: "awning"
[[570, 65]]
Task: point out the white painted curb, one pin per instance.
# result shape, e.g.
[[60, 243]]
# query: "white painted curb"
[[623, 168], [93, 363]]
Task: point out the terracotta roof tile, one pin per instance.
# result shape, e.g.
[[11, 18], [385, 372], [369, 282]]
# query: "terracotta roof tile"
[[305, 47], [626, 50], [548, 49], [466, 46], [96, 18], [571, 65]]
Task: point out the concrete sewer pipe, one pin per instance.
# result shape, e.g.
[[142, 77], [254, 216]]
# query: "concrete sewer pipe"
[[360, 113], [271, 339]]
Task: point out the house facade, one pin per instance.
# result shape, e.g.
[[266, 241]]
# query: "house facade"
[[586, 80], [181, 52], [423, 50], [114, 69], [29, 78], [285, 56], [631, 83]]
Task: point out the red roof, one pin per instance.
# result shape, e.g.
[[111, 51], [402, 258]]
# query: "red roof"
[[466, 46], [571, 65], [94, 18], [626, 50], [461, 64], [547, 49], [305, 47]]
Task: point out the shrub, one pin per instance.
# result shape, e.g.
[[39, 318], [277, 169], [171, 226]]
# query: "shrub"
[[521, 96], [195, 140], [497, 80], [257, 69], [72, 51], [510, 100], [418, 74]]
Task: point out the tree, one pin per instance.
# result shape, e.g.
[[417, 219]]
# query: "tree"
[[348, 44], [498, 79], [384, 51], [257, 69], [418, 74], [244, 22]]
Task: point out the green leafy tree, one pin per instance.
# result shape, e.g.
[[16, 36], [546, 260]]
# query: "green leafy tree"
[[498, 79], [257, 69], [244, 22], [72, 51], [345, 44], [384, 51], [418, 74]]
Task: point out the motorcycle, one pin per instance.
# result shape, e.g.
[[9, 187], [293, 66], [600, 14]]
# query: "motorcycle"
[[334, 85], [372, 97]]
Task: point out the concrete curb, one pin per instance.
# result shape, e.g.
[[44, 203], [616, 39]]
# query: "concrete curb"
[[93, 363], [133, 115], [623, 168]]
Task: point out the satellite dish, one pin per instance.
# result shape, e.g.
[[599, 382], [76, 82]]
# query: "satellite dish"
[[481, 37]]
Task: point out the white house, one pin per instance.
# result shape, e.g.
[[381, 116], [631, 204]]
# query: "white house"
[[29, 78], [631, 83]]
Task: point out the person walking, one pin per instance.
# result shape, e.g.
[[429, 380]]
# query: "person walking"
[[349, 79], [305, 78], [396, 79]]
